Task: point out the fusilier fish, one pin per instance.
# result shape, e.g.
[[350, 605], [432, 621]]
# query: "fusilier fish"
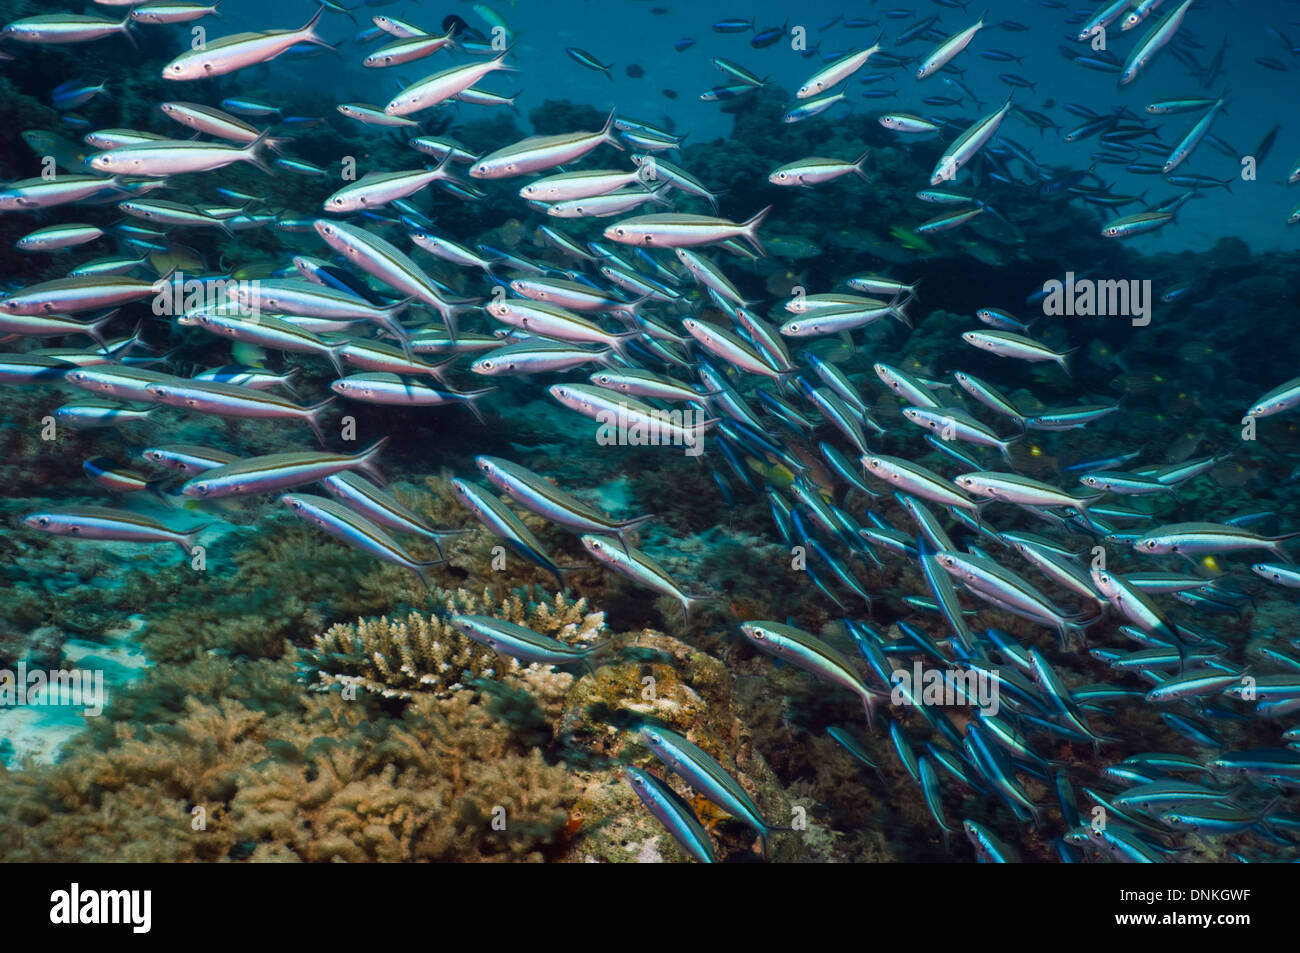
[[517, 641], [680, 230], [811, 654], [356, 531], [231, 53], [277, 471], [838, 71], [105, 523]]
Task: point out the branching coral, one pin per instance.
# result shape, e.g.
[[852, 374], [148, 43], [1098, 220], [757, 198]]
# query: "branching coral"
[[446, 782], [399, 658]]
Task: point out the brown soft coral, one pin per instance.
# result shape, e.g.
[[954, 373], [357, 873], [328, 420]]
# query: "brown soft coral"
[[447, 782]]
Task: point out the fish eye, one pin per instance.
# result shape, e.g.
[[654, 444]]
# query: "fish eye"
[[44, 521], [620, 231], [203, 489]]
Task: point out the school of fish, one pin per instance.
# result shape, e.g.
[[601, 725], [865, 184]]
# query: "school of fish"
[[652, 315]]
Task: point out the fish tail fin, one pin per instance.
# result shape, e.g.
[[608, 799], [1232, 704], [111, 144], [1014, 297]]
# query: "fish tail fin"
[[366, 459], [633, 308], [420, 568], [625, 525], [620, 341], [289, 378], [608, 134], [657, 196], [334, 353], [454, 308], [470, 399], [607, 358], [313, 417], [869, 706], [750, 230], [249, 152], [1064, 360], [858, 170], [399, 334], [1276, 547], [436, 370], [189, 537], [309, 30], [689, 603], [559, 572], [896, 309], [1079, 628], [95, 329], [397, 307], [129, 344], [156, 489]]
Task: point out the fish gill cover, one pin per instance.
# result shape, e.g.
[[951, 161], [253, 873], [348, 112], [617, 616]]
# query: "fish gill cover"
[[635, 432]]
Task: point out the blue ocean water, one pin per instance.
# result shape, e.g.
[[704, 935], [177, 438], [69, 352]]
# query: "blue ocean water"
[[643, 33]]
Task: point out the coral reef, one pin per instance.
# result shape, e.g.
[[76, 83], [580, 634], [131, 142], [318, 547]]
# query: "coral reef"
[[385, 739]]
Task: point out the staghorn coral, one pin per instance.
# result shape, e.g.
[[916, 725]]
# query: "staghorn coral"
[[399, 658]]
